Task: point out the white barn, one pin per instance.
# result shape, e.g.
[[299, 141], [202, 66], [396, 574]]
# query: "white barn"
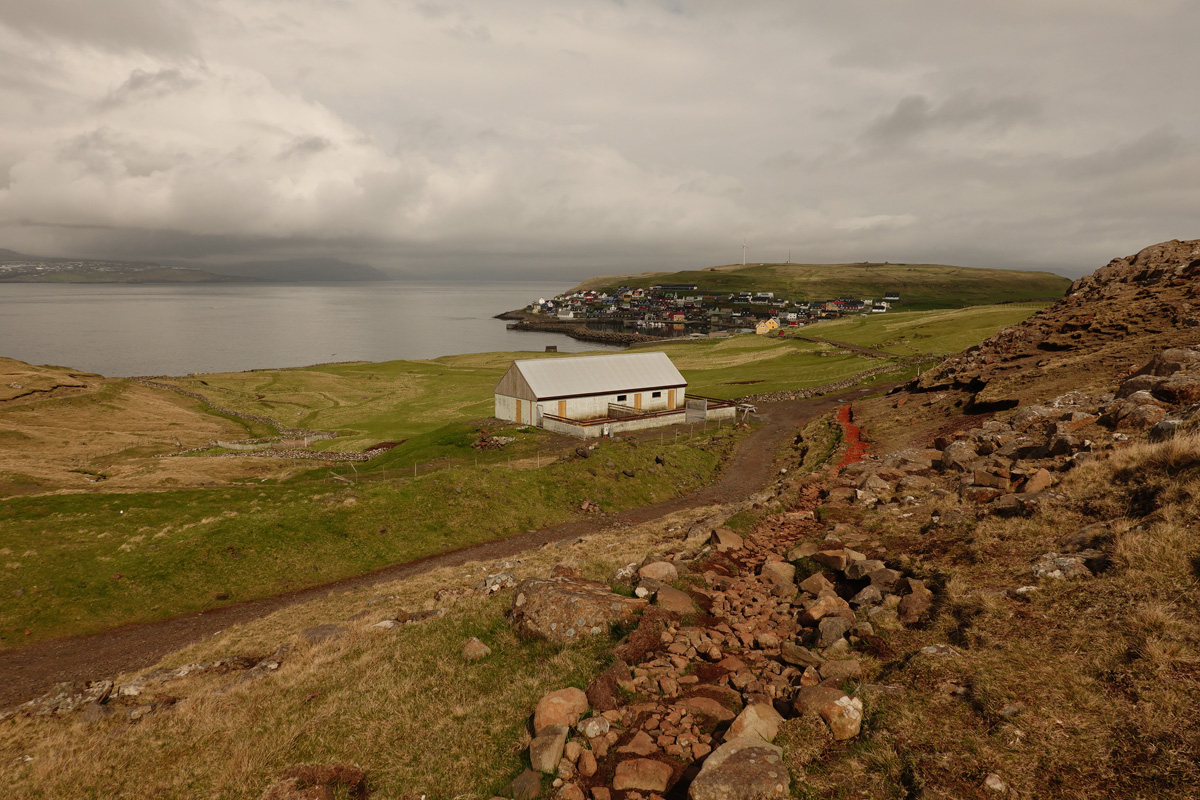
[[574, 395]]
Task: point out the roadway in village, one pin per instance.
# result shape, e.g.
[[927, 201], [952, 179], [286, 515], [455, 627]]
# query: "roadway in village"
[[30, 671]]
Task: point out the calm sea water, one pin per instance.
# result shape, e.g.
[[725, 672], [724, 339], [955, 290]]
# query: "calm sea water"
[[174, 329]]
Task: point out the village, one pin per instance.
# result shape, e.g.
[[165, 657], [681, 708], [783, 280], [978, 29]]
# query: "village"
[[678, 309]]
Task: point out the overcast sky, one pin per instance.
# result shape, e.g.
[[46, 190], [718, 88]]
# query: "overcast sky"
[[580, 137]]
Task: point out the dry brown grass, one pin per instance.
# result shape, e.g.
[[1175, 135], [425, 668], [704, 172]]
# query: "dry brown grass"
[[109, 430], [1079, 689], [402, 704]]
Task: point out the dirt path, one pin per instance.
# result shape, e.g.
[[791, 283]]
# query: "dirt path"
[[28, 672]]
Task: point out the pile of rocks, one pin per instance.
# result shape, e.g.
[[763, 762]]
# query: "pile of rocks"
[[752, 636], [1145, 300], [1009, 465]]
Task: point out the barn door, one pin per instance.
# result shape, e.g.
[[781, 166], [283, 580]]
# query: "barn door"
[[562, 408], [637, 400], [671, 398]]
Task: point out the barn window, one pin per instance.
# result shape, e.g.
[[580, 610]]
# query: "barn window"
[[621, 398], [656, 394]]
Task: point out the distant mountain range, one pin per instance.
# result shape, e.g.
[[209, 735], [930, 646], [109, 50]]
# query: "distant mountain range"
[[23, 268]]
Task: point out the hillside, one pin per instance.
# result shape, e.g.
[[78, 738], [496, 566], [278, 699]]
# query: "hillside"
[[980, 585], [920, 286]]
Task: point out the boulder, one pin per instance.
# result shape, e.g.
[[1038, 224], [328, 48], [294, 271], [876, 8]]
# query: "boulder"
[[526, 786], [726, 540], [842, 713], [563, 707], [802, 550], [564, 610], [706, 707], [671, 599], [958, 456], [1039, 482], [831, 629], [546, 749], [742, 769], [835, 559], [793, 653], [779, 572], [867, 596], [1170, 361], [815, 584], [857, 570], [663, 571], [758, 719], [826, 604], [1179, 390], [642, 774]]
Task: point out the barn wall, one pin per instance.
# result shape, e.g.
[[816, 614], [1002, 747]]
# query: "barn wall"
[[506, 408]]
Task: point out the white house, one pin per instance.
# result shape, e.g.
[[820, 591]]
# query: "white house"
[[589, 387]]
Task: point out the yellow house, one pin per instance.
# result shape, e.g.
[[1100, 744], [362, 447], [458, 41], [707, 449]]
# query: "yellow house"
[[766, 326]]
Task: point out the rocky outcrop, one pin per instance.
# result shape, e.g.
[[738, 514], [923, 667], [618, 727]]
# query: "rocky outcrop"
[[567, 609], [1123, 312]]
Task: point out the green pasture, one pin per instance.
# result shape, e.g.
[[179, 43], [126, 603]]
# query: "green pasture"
[[79, 563], [912, 332]]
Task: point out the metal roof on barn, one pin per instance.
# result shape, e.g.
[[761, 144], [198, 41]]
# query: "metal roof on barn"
[[578, 376]]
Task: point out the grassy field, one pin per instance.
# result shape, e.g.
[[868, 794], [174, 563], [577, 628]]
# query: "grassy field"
[[921, 286], [78, 563], [156, 537], [919, 332], [402, 704]]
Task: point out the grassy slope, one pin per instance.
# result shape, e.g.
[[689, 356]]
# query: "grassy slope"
[[84, 562], [921, 286], [933, 332]]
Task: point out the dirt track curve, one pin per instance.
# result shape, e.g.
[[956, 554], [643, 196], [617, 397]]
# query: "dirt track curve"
[[27, 672]]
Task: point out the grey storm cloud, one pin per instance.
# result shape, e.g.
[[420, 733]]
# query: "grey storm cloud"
[[591, 137], [915, 115]]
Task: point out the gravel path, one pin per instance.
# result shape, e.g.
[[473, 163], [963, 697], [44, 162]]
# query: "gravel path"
[[27, 672]]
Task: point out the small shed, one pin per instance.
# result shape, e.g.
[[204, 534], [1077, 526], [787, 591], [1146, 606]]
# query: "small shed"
[[583, 388]]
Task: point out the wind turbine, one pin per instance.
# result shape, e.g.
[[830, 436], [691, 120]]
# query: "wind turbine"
[[743, 252]]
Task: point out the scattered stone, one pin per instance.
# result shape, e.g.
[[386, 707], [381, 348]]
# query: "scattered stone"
[[671, 599], [643, 774], [546, 749], [663, 571], [473, 650], [640, 745], [759, 719], [993, 783], [707, 707], [793, 653], [831, 629], [840, 711], [526, 786], [726, 540], [562, 707], [1059, 567]]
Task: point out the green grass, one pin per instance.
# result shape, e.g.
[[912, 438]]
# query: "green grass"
[[72, 564], [921, 286], [915, 332]]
